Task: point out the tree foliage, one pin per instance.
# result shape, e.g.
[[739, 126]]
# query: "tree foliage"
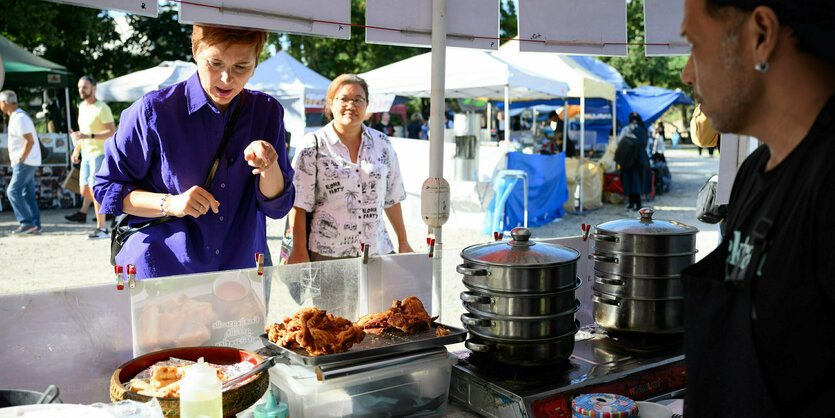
[[638, 69]]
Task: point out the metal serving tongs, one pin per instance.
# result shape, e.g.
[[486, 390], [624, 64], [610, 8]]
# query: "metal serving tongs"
[[264, 365]]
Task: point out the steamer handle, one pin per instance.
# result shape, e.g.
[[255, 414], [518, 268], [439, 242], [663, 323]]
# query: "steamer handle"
[[612, 282], [469, 271], [603, 258], [613, 302], [600, 237], [481, 348], [473, 298], [466, 319]]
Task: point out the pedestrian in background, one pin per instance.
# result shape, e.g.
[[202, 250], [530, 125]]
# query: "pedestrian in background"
[[95, 125], [25, 157]]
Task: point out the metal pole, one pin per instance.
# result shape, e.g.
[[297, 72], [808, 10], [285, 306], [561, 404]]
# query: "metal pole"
[[70, 145], [507, 117], [582, 142], [436, 137]]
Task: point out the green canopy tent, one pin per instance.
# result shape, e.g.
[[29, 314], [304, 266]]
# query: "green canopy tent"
[[21, 68]]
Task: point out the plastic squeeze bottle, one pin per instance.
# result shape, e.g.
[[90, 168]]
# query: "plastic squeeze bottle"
[[200, 395]]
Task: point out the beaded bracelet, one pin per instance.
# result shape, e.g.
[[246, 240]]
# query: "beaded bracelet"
[[162, 202]]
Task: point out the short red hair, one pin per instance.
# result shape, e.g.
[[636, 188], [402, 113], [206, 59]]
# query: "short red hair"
[[213, 35]]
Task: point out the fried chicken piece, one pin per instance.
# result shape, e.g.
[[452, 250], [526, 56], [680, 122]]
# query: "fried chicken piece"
[[316, 331], [441, 331], [407, 315]]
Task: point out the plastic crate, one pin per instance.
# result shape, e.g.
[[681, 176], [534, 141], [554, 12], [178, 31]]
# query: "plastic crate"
[[415, 388]]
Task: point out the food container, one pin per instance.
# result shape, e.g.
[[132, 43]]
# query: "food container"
[[643, 266], [644, 236], [515, 353], [520, 327], [637, 287], [419, 386], [519, 265], [604, 405], [635, 315], [234, 400], [519, 304]]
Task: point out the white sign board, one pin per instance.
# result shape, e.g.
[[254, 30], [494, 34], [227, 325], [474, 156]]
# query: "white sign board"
[[328, 18], [137, 7], [662, 24], [581, 27], [469, 23]]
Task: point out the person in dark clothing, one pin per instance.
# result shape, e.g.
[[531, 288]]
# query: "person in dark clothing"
[[637, 178], [758, 342], [384, 125], [415, 125]]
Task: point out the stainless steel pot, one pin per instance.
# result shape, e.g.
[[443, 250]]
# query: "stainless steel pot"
[[635, 315], [519, 304], [519, 266], [535, 353], [519, 327], [643, 266], [644, 236], [638, 288]]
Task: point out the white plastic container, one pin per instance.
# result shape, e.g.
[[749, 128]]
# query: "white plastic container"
[[200, 394], [415, 388]]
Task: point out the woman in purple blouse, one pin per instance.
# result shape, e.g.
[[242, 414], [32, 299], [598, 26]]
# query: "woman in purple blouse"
[[163, 150]]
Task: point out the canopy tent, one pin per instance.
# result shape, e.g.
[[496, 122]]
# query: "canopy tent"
[[25, 69], [295, 86], [581, 82], [650, 102], [469, 74], [602, 70], [131, 87]]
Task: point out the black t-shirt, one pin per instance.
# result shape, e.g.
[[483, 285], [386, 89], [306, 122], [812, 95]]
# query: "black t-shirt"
[[773, 356], [386, 129]]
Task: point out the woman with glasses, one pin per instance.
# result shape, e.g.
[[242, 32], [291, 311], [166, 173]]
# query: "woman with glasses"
[[347, 176]]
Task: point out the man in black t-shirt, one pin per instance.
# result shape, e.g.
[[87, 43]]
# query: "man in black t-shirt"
[[758, 309]]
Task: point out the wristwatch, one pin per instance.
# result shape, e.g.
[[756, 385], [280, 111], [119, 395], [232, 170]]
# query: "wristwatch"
[[93, 136]]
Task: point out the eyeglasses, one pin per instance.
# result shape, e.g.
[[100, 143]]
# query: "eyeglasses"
[[345, 100]]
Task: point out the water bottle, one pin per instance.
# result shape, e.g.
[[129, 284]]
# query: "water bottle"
[[200, 394]]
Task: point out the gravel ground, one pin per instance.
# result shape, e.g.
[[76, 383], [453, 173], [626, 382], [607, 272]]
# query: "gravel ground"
[[62, 256]]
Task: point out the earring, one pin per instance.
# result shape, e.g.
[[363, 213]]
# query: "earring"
[[761, 67]]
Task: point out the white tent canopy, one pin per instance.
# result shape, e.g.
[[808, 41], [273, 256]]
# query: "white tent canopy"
[[581, 82], [295, 86], [131, 87], [469, 73]]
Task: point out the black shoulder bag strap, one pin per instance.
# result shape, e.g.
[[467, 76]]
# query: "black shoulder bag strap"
[[227, 132]]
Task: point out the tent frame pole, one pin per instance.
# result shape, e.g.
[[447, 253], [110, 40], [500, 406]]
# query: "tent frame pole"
[[436, 137]]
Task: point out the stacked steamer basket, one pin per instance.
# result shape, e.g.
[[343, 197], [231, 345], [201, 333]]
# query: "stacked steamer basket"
[[520, 301], [637, 274]]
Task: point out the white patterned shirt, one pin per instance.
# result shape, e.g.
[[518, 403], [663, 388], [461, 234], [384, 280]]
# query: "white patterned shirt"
[[347, 199]]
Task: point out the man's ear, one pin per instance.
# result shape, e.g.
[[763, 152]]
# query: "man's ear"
[[765, 30]]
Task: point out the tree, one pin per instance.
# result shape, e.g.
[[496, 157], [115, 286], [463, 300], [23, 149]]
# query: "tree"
[[508, 20], [638, 69]]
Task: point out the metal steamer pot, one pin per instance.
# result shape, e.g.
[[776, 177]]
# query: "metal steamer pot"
[[519, 265], [638, 288], [530, 353], [635, 315], [486, 302], [644, 247], [519, 327]]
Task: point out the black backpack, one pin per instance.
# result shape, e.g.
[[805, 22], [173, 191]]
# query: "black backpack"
[[628, 149]]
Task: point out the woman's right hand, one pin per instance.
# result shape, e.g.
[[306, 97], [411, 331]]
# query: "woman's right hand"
[[195, 202], [298, 255]]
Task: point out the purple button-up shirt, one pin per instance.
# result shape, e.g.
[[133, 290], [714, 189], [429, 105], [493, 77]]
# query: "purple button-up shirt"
[[166, 143]]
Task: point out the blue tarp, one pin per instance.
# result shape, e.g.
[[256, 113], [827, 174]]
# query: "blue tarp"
[[547, 192], [650, 102]]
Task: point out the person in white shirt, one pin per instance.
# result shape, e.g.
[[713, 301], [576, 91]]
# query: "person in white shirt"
[[25, 157], [347, 175]]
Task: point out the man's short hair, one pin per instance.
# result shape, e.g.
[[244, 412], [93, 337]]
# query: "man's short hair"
[[8, 96], [89, 79], [813, 21]]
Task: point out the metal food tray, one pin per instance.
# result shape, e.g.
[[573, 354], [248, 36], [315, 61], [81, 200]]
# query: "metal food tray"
[[373, 346]]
